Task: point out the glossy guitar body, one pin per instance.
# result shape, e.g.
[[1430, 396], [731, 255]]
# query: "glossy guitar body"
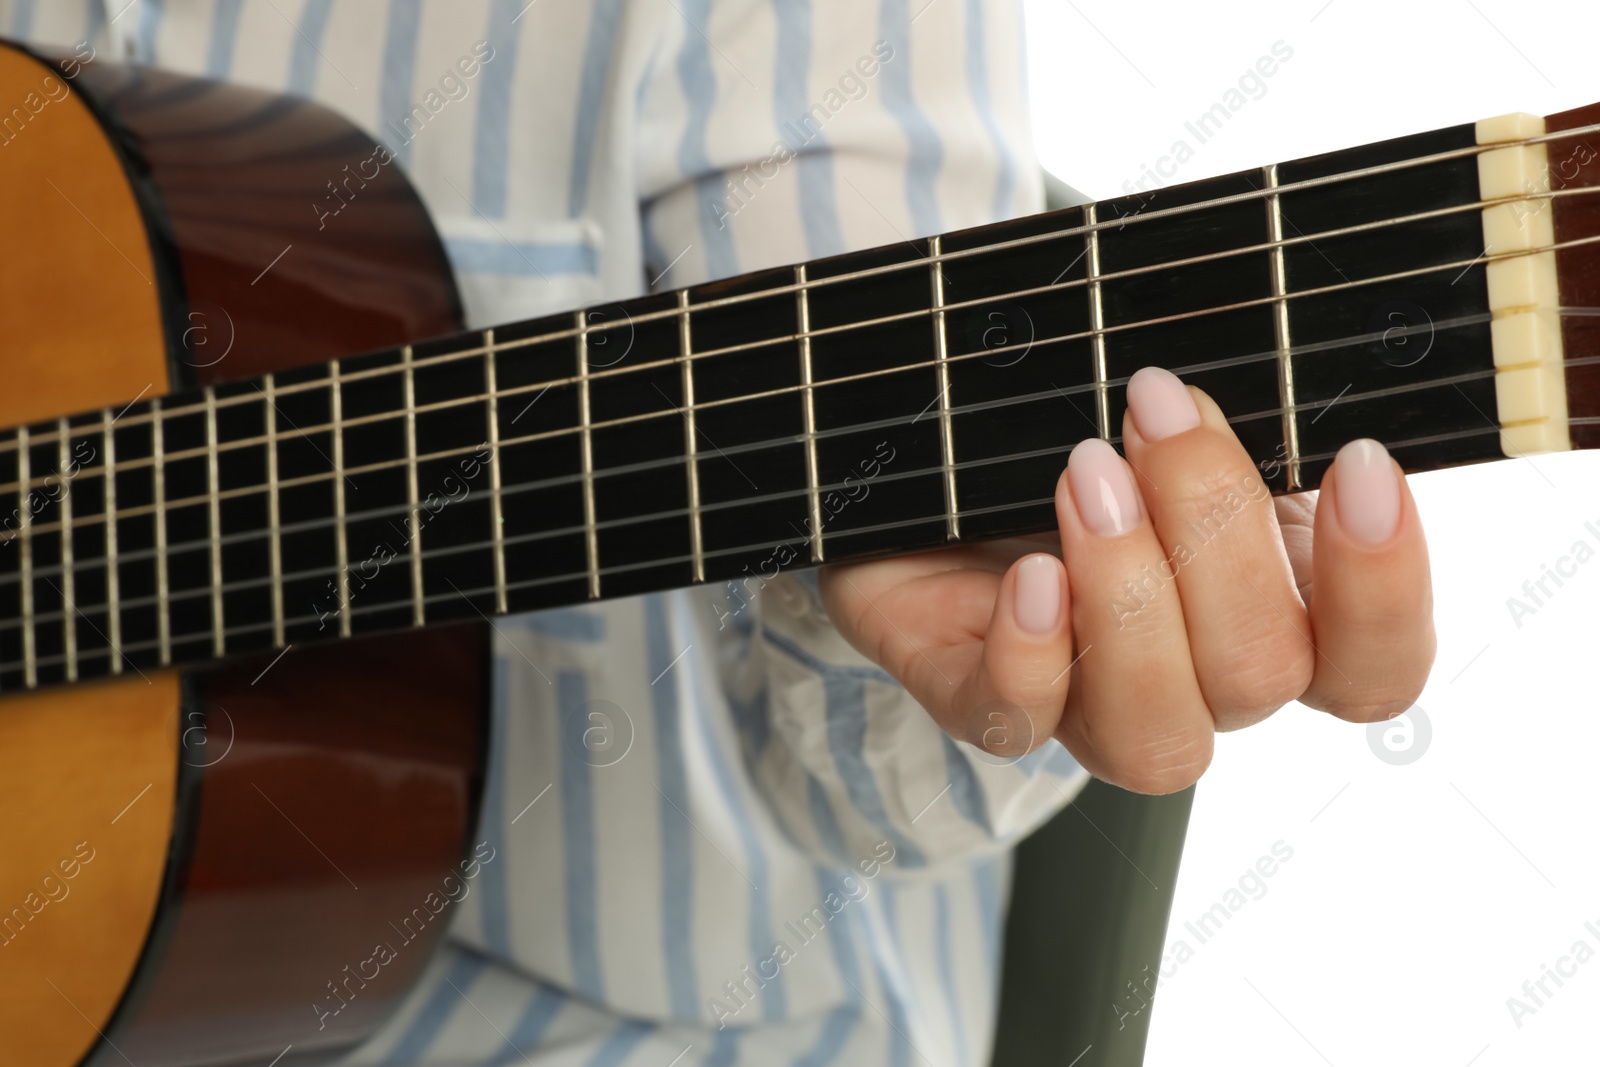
[[196, 867]]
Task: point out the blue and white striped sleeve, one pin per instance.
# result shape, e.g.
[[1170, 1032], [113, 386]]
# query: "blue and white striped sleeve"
[[773, 131], [57, 25], [847, 759]]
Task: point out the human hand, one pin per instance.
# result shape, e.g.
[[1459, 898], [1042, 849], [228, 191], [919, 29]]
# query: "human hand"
[[1188, 602]]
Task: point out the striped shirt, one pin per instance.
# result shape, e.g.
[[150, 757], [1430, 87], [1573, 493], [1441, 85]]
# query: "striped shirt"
[[720, 834]]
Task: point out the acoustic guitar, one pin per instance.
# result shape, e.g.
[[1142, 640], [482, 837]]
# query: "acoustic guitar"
[[263, 492]]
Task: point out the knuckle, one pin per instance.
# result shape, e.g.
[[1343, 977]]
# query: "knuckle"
[[1211, 498], [1142, 610], [1260, 673], [1165, 764], [1006, 729]]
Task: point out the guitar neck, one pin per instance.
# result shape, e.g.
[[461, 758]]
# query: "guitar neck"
[[1427, 291]]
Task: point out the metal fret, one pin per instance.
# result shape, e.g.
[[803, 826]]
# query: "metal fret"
[[30, 653], [941, 356], [496, 517], [69, 627], [342, 543], [219, 639], [808, 395], [108, 447], [591, 538], [1280, 328], [1097, 322], [686, 347], [413, 498], [275, 540], [158, 489]]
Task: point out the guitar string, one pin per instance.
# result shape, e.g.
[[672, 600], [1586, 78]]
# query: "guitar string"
[[89, 565], [175, 456], [405, 603], [1560, 135], [471, 400], [398, 510], [672, 461], [674, 312]]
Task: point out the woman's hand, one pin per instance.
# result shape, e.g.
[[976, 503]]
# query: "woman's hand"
[[1188, 602]]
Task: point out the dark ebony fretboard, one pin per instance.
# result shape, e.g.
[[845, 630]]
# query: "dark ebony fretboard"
[[883, 401]]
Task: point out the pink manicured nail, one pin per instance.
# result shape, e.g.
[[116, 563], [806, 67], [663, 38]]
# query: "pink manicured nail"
[[1107, 501], [1038, 603], [1367, 491], [1160, 403]]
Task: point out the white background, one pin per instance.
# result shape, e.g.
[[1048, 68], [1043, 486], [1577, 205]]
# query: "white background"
[[1419, 897]]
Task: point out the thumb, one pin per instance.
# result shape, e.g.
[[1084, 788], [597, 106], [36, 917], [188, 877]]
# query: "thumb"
[[1013, 699]]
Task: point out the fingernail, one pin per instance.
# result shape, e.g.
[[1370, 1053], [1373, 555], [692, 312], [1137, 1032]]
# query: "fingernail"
[[1038, 603], [1160, 403], [1107, 501], [1367, 491]]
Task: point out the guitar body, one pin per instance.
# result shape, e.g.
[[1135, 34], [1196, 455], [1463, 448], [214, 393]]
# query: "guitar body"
[[197, 866], [213, 859]]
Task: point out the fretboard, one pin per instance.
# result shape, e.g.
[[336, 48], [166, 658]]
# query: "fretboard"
[[884, 401]]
